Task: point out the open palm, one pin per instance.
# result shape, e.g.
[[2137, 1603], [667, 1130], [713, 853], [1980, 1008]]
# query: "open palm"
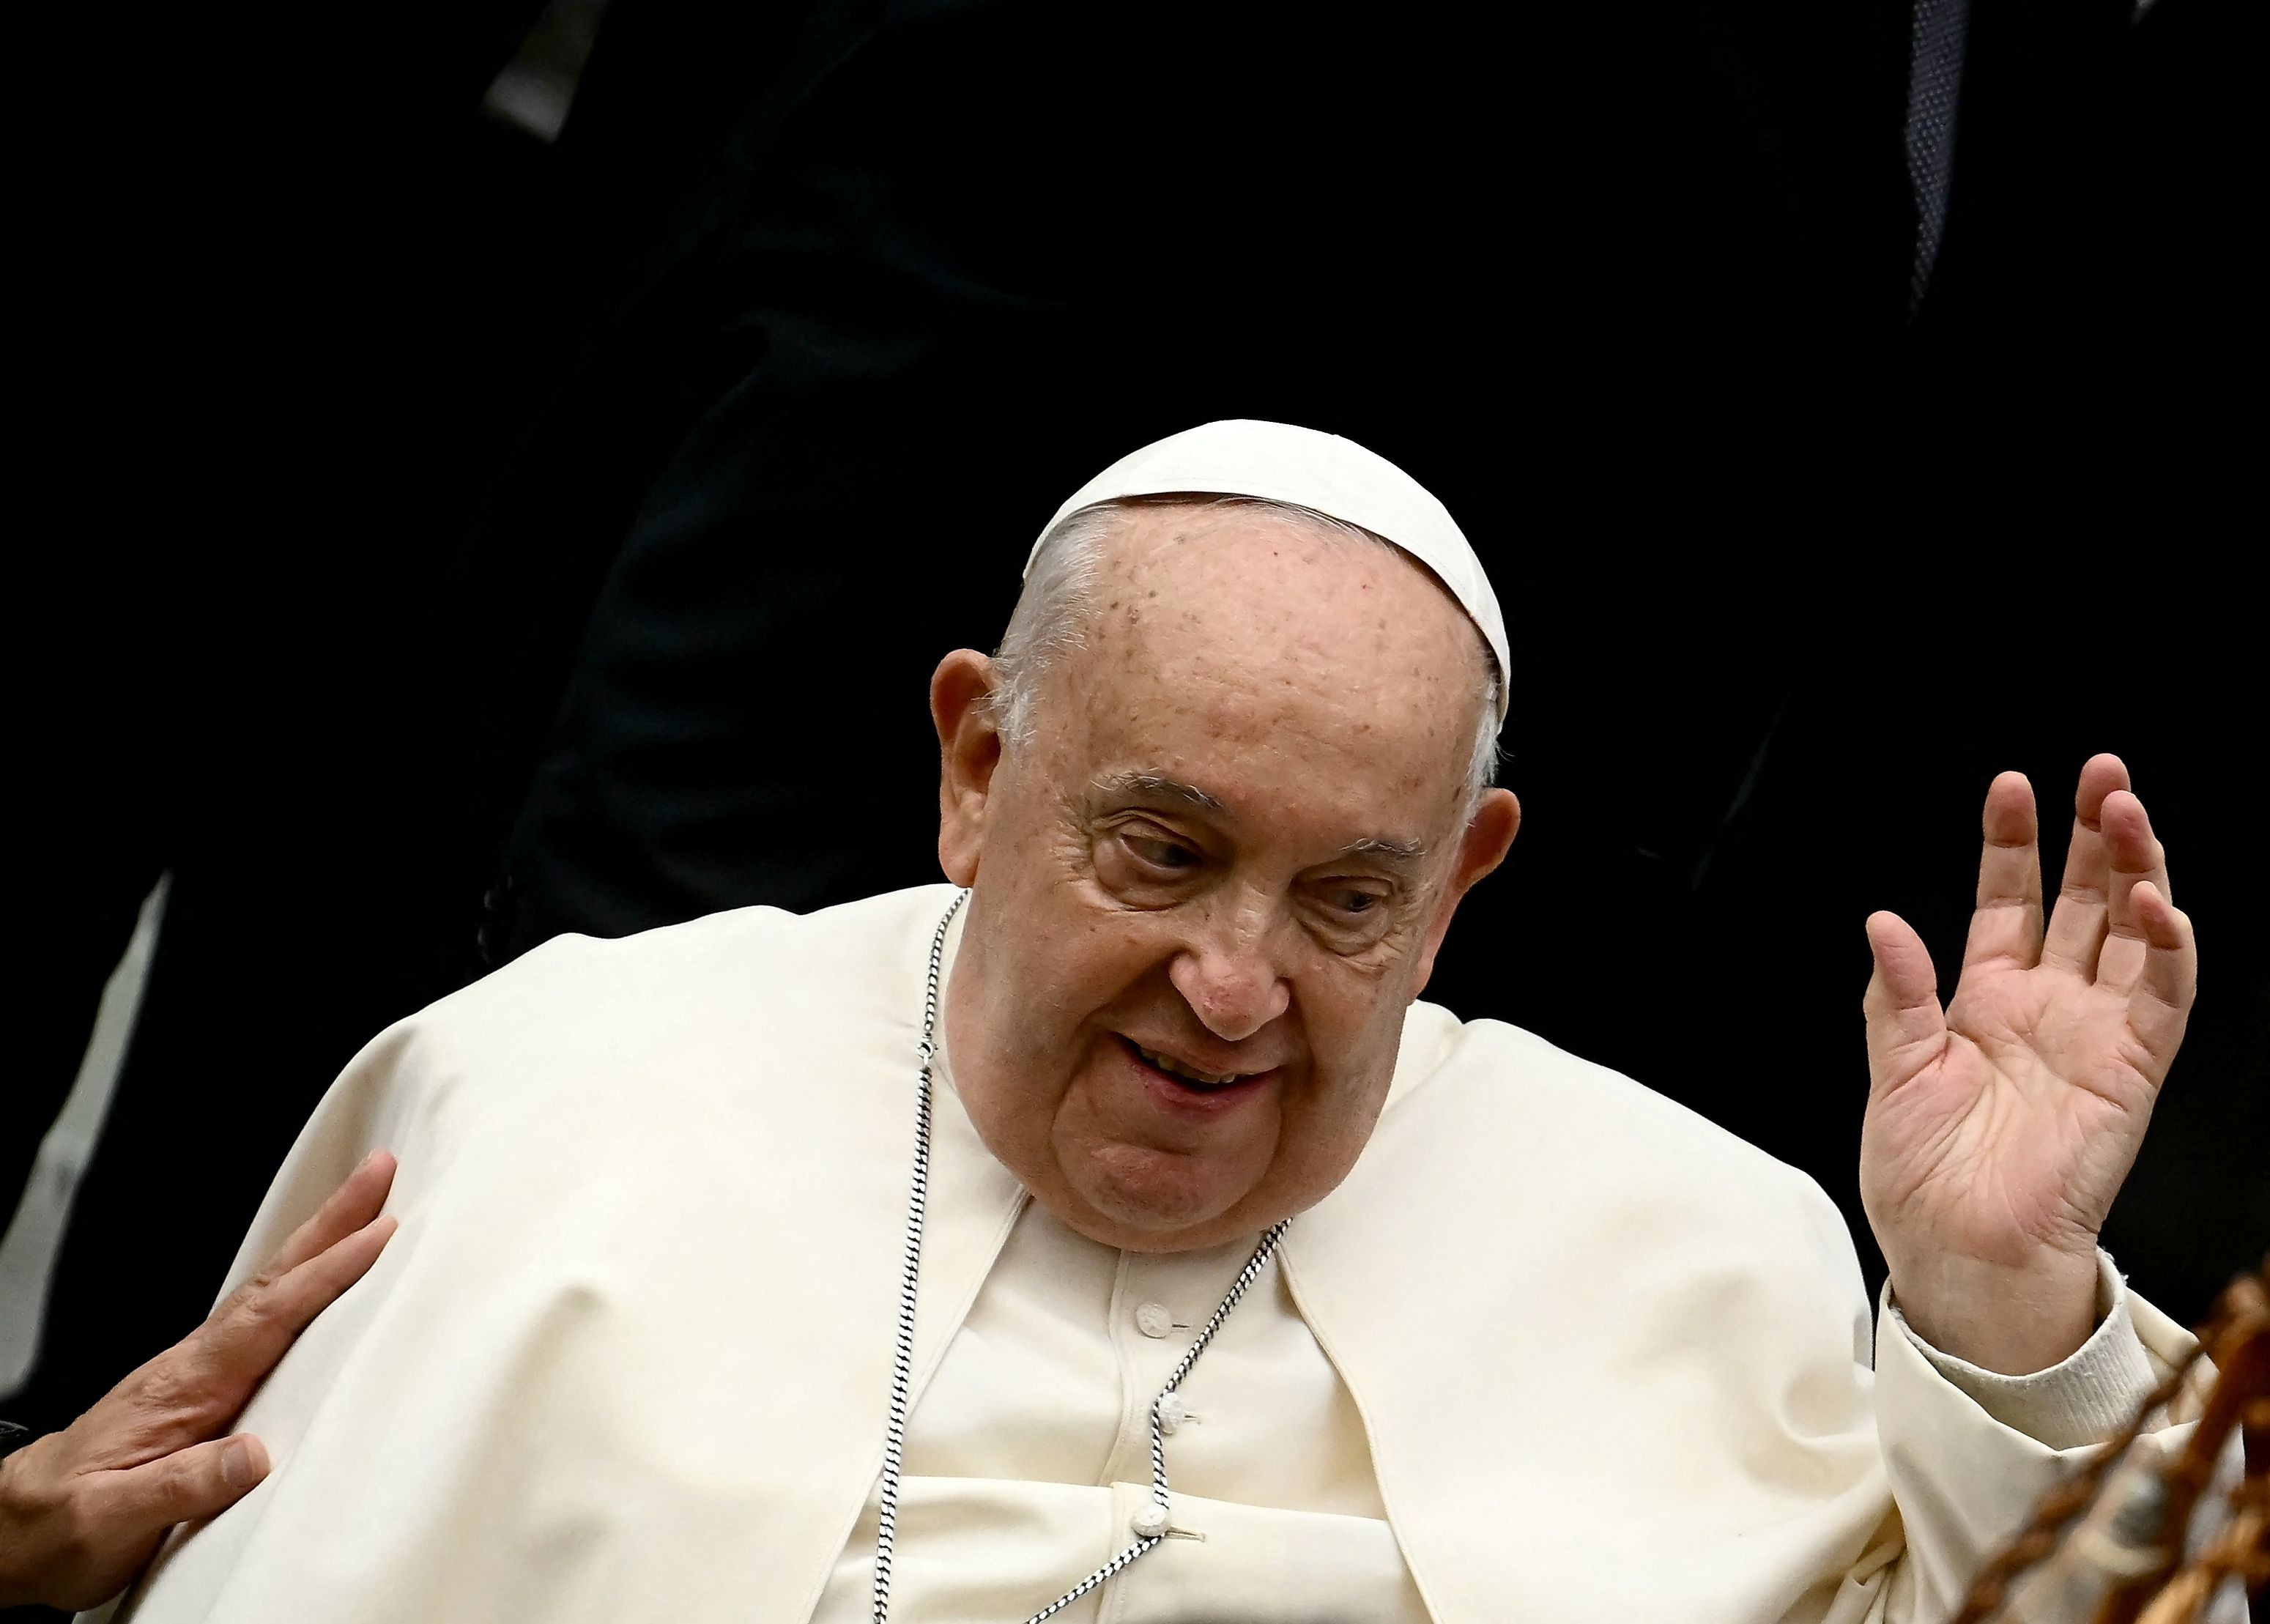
[[1999, 1129]]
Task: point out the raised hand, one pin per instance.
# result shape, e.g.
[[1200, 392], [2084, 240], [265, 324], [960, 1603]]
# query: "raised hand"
[[1999, 1131], [82, 1510]]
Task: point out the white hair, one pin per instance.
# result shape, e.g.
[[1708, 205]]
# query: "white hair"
[[1051, 616]]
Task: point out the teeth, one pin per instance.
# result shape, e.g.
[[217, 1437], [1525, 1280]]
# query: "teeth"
[[1176, 1068]]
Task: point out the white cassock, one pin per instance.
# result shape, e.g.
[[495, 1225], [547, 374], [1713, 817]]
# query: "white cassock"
[[1557, 1350]]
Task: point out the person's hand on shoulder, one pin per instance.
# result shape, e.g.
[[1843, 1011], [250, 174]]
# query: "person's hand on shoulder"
[[83, 1510]]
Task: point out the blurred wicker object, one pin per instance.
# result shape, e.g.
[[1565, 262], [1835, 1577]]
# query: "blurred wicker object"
[[2118, 1542]]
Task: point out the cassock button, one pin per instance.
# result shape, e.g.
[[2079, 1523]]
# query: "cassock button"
[[1150, 1521], [1171, 1414], [1153, 1319]]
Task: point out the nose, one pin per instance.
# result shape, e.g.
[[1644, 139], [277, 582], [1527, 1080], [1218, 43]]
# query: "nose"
[[1228, 976]]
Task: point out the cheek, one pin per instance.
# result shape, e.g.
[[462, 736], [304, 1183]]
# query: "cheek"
[[1331, 1121], [1352, 1013], [1352, 1035], [1097, 945], [1072, 965], [1320, 1143]]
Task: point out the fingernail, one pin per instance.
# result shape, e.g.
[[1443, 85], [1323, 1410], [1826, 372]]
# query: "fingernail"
[[240, 1467]]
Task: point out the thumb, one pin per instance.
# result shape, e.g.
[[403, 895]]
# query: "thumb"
[[1906, 1027], [197, 1482]]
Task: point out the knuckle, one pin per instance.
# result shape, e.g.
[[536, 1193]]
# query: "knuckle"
[[78, 1523], [179, 1393], [165, 1386], [256, 1306], [249, 1312], [245, 1299], [180, 1477]]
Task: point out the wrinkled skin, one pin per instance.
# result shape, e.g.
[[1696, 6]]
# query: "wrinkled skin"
[[1999, 1128], [1237, 839]]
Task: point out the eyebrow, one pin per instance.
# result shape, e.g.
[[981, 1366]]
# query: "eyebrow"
[[1157, 788], [1400, 853]]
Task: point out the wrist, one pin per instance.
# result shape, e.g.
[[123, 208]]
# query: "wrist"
[[2011, 1319], [15, 1518]]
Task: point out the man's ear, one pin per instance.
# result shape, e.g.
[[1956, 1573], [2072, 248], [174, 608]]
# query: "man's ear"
[[1488, 836], [968, 750]]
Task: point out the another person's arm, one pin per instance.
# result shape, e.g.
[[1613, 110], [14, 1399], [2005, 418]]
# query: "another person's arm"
[[83, 1510]]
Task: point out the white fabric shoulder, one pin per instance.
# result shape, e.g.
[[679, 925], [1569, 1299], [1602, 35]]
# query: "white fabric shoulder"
[[1512, 1082], [621, 1358]]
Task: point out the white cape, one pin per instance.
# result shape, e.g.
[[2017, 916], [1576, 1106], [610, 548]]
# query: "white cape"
[[628, 1356]]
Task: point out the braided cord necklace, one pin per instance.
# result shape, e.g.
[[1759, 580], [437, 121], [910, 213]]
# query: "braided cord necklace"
[[1150, 1522]]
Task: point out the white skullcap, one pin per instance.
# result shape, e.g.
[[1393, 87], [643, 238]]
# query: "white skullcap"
[[1337, 478]]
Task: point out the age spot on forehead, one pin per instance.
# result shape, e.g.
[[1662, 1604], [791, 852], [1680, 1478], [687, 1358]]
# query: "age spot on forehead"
[[1251, 640]]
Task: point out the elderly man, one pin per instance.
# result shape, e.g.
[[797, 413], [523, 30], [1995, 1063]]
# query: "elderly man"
[[1119, 1237]]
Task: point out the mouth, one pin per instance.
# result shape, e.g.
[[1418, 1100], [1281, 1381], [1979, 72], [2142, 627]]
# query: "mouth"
[[1188, 1080]]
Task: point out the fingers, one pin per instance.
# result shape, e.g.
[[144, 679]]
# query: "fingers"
[[2160, 1004], [352, 1204], [2134, 855], [197, 1387], [2006, 927], [2076, 924], [1906, 1027], [198, 1482], [77, 1536], [2115, 923], [246, 1336], [139, 1460]]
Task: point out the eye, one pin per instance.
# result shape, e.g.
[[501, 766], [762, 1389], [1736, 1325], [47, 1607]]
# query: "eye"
[[1351, 913], [1353, 902], [1167, 854], [1146, 863]]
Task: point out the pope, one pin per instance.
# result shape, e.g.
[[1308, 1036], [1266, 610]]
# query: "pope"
[[1114, 1233]]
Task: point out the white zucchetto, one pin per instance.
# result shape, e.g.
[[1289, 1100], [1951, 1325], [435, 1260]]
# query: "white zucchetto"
[[1279, 463]]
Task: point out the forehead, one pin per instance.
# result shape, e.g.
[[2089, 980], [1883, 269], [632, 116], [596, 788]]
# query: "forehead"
[[1251, 642]]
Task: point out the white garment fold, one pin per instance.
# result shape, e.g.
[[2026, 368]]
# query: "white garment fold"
[[629, 1354], [1029, 1452]]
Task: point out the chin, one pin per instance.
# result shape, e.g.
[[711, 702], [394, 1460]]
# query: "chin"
[[1151, 1204]]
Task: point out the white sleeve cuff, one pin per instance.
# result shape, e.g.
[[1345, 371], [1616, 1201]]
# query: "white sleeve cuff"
[[2082, 1399]]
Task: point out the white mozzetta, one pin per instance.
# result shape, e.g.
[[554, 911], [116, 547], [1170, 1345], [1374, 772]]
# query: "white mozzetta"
[[628, 1355]]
